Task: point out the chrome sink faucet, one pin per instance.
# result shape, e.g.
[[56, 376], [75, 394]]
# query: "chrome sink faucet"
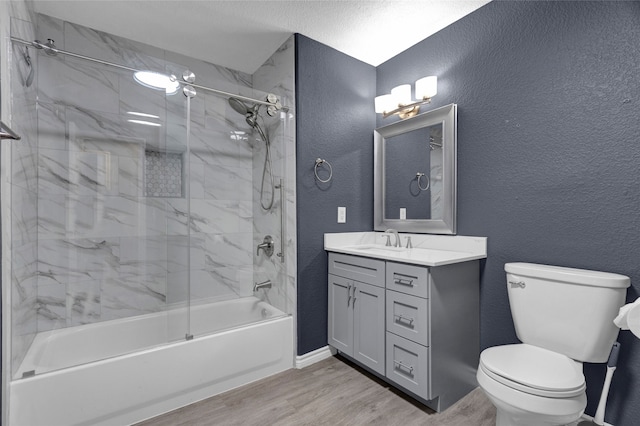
[[395, 233]]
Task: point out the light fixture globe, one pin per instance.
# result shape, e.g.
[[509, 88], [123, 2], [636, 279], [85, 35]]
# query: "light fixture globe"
[[427, 87], [385, 103], [402, 94]]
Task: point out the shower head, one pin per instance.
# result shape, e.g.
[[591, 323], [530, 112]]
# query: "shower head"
[[250, 113], [238, 106]]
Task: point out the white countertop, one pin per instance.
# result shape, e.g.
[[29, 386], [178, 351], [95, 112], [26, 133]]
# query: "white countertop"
[[428, 250]]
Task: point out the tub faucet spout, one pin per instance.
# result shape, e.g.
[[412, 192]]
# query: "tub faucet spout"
[[264, 284]]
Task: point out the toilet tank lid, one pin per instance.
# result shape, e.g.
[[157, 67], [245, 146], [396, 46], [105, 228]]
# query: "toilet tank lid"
[[570, 275]]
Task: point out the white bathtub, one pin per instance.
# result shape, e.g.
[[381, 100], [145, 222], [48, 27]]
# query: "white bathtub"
[[122, 389]]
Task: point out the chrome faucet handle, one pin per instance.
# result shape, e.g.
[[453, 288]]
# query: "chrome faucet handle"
[[388, 243], [266, 245], [409, 245]]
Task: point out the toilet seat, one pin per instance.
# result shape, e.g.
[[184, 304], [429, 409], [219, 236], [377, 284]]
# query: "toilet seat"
[[534, 370]]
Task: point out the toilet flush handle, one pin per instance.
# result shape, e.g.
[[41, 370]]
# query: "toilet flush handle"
[[520, 284]]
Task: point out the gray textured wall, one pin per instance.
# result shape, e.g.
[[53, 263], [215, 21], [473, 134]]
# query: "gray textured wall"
[[548, 149], [335, 121], [548, 153]]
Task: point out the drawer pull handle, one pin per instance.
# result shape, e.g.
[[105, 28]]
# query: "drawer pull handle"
[[402, 318], [404, 281], [400, 366]]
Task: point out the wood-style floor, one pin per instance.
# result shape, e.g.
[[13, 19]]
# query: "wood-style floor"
[[331, 392]]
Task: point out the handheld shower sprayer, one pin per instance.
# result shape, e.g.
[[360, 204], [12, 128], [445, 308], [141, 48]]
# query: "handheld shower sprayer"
[[31, 74], [251, 116]]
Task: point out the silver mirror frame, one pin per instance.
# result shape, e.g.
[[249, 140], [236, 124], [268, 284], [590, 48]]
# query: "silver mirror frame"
[[448, 117]]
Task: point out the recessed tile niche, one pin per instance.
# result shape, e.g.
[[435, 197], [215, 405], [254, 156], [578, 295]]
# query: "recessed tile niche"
[[162, 174]]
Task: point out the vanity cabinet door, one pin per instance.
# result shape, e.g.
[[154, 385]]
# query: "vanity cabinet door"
[[340, 321], [368, 326]]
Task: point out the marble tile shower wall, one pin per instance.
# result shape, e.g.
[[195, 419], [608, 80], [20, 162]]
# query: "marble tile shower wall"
[[24, 196], [105, 251], [276, 75]]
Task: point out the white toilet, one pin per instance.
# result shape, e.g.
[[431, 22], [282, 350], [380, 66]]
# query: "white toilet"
[[564, 317]]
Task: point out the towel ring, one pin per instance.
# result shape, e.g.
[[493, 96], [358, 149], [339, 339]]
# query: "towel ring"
[[320, 161], [419, 177]]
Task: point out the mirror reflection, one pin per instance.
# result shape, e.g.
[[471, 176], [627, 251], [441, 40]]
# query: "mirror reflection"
[[416, 191]]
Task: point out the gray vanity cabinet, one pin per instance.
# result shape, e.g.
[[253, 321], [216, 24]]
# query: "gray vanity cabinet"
[[415, 326], [356, 309]]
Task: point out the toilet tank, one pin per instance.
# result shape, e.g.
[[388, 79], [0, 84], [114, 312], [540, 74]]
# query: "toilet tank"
[[566, 310]]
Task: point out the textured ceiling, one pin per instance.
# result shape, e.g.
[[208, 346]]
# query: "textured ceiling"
[[242, 34]]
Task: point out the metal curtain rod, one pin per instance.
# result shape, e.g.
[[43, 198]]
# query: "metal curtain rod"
[[39, 45], [7, 133]]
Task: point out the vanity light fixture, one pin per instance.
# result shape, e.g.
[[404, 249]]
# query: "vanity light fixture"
[[399, 101]]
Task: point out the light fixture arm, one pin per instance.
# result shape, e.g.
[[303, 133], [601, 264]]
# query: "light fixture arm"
[[406, 108]]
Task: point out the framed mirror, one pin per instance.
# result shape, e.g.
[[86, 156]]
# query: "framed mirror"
[[415, 173]]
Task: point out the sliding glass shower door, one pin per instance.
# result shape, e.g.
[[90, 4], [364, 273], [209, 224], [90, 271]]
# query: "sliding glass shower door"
[[105, 250], [135, 210]]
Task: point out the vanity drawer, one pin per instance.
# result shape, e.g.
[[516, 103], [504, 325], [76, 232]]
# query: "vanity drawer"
[[408, 316], [408, 279], [408, 365], [362, 269]]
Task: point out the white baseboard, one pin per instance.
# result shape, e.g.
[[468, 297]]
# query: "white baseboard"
[[313, 357]]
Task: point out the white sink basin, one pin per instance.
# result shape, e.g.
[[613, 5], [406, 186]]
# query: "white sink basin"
[[369, 247]]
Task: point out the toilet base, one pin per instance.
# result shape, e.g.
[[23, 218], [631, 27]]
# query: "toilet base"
[[504, 418], [515, 408]]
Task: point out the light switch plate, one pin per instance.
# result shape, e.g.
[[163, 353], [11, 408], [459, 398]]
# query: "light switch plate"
[[403, 213], [342, 215]]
